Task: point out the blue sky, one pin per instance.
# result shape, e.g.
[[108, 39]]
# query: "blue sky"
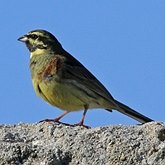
[[121, 42]]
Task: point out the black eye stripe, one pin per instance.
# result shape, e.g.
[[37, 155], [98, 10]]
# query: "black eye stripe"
[[40, 38], [33, 36], [43, 39]]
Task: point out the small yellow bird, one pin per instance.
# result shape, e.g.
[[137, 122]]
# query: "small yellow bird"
[[64, 82]]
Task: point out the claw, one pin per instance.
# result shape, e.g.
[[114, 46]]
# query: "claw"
[[80, 124], [50, 120]]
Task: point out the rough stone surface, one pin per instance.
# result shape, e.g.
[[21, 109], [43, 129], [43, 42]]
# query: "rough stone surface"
[[57, 144]]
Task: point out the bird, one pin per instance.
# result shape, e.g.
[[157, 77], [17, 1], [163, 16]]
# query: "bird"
[[64, 82]]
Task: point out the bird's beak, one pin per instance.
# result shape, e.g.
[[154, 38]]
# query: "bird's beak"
[[23, 38]]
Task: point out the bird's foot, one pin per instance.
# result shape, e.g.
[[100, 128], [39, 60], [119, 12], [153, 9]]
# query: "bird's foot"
[[55, 121], [50, 120], [81, 124], [59, 122]]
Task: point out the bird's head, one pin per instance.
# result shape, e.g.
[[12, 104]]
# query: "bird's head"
[[40, 40]]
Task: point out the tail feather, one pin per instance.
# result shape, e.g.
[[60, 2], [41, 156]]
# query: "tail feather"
[[131, 113]]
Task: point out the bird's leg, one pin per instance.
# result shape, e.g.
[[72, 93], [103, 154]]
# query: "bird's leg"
[[81, 123], [56, 119], [83, 117]]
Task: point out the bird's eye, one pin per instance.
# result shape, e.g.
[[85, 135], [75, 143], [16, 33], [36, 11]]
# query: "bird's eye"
[[33, 36]]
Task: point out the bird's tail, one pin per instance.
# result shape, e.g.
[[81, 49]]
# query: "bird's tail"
[[131, 113]]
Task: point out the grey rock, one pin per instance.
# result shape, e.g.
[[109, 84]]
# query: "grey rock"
[[57, 144]]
